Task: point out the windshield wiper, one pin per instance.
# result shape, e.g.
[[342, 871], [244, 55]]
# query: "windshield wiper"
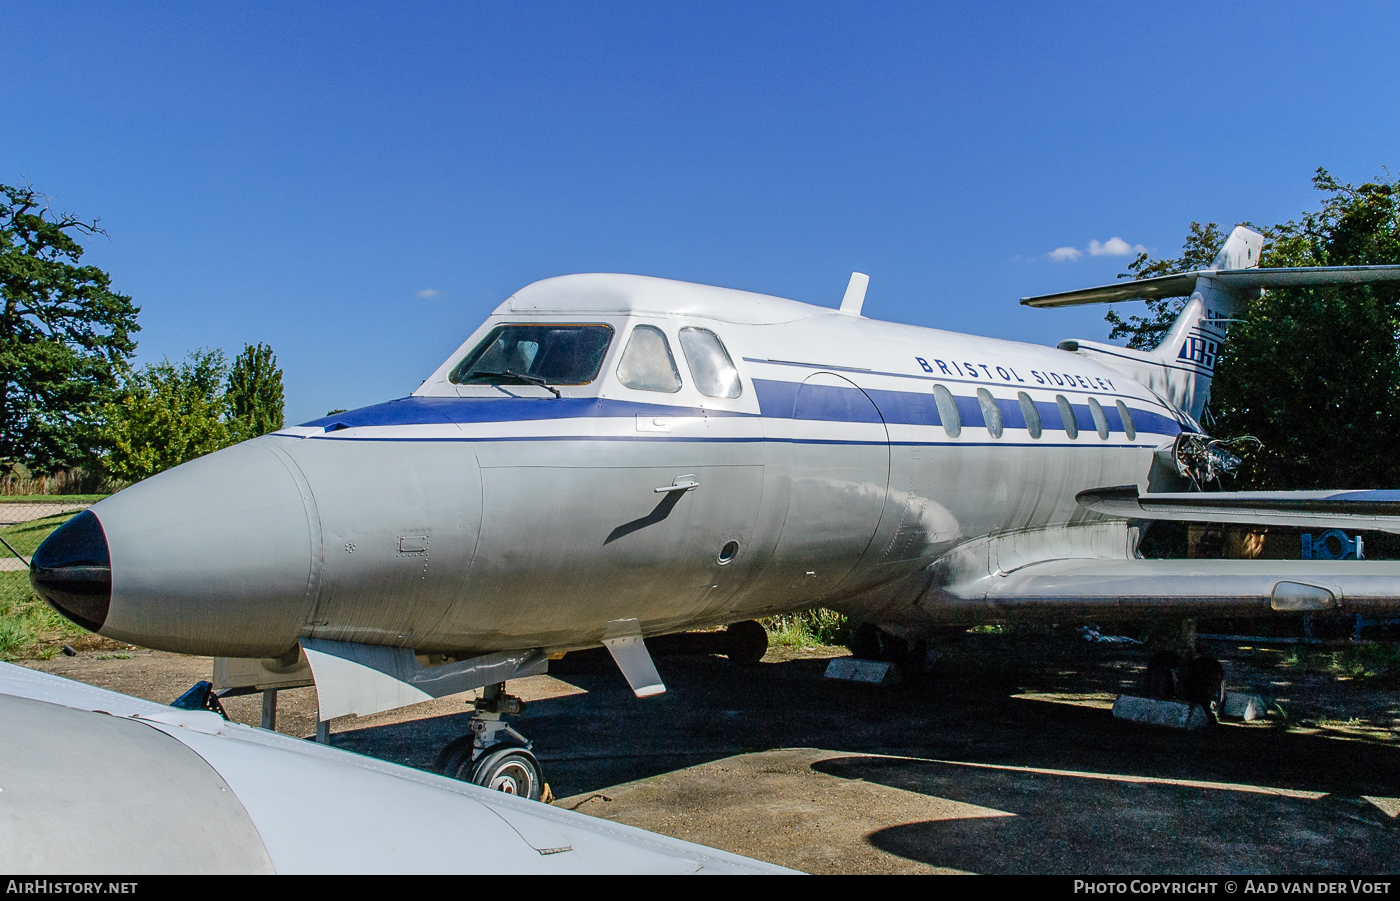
[[519, 377]]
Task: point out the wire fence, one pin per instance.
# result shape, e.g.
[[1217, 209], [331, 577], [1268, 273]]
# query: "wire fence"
[[23, 524], [14, 513]]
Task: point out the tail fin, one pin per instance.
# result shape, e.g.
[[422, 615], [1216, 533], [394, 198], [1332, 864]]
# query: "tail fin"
[[1192, 346], [1180, 369]]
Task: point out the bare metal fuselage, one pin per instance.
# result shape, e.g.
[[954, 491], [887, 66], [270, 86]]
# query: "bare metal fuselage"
[[473, 518]]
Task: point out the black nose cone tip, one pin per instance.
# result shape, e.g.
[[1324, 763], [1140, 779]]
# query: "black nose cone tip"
[[72, 570]]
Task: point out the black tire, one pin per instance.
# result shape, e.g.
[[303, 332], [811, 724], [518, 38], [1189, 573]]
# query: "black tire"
[[512, 770], [455, 761], [1203, 681], [747, 642], [1158, 682]]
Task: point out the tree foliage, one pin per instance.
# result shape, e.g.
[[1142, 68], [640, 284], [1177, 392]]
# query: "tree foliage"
[[165, 414], [64, 334], [1314, 373], [255, 393], [168, 413]]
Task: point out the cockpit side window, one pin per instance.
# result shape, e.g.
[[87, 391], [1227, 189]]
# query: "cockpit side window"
[[536, 354], [709, 362], [647, 364]]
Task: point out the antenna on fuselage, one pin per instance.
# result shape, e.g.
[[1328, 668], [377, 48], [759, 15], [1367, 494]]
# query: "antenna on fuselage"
[[855, 294]]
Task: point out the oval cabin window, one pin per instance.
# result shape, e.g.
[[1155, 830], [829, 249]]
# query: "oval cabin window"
[[1100, 420], [1030, 413], [947, 411], [991, 413], [1126, 415], [1067, 416]]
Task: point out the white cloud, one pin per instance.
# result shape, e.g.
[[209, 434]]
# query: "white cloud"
[[429, 292], [1114, 247], [1066, 254]]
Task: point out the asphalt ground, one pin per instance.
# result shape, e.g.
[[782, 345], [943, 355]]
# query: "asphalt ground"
[[1004, 759]]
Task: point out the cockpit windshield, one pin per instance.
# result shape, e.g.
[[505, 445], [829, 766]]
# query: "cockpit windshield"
[[537, 355]]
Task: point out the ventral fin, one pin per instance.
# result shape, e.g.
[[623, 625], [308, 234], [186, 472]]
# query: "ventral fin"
[[630, 652]]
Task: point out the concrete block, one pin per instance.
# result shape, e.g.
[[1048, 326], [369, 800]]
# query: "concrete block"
[[853, 669], [1240, 705], [1171, 714]]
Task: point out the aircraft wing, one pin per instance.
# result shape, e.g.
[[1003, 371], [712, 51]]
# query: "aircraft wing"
[[1101, 587], [145, 788], [1182, 284], [1378, 510]]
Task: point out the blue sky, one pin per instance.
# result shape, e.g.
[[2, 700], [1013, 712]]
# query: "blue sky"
[[305, 174]]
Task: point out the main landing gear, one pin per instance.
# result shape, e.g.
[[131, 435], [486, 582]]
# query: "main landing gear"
[[493, 754], [1199, 679]]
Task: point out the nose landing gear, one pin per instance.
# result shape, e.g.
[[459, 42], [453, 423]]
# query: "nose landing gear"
[[493, 754]]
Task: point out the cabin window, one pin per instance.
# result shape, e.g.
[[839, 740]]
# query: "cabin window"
[[1100, 420], [647, 363], [991, 413], [1067, 415], [1029, 413], [530, 354], [947, 411], [709, 362], [1126, 415]]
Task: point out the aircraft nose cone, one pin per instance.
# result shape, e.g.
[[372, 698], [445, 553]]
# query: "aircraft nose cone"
[[72, 570], [218, 556]]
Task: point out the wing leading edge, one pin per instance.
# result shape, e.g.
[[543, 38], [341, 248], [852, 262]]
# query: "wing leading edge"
[[1378, 510], [1104, 588]]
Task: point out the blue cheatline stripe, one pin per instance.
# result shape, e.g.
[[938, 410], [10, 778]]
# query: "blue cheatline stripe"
[[777, 399], [1077, 445], [830, 403], [438, 410]]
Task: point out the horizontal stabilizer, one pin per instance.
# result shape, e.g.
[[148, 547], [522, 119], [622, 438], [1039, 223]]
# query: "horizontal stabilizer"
[[1379, 510], [1234, 279]]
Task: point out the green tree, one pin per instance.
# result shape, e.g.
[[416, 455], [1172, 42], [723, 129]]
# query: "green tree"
[[1203, 242], [1314, 373], [254, 393], [64, 335], [166, 414]]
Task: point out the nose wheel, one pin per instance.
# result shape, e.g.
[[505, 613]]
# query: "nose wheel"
[[512, 770], [494, 755]]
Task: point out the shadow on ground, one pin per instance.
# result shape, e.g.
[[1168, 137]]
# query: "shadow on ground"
[[1250, 798]]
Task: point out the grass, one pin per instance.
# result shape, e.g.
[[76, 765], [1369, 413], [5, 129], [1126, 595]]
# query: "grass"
[[26, 537], [29, 628], [1364, 661], [808, 629]]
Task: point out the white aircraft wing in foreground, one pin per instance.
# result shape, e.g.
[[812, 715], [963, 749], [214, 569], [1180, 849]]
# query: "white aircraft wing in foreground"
[[99, 782]]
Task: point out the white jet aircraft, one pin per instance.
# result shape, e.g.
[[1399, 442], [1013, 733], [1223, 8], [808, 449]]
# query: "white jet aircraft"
[[610, 457]]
